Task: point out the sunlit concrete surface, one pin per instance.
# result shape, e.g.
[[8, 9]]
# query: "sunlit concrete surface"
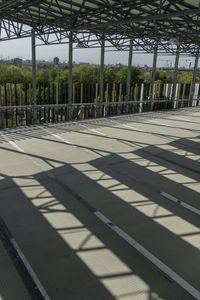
[[53, 180]]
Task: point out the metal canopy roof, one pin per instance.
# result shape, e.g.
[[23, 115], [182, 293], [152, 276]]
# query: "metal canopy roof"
[[148, 21]]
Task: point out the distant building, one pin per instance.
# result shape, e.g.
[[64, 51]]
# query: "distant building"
[[27, 62], [56, 61], [17, 61], [43, 63]]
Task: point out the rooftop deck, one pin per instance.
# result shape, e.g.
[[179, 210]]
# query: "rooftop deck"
[[103, 209]]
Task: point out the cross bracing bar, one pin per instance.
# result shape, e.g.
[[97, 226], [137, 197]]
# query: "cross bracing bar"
[[156, 19], [54, 36]]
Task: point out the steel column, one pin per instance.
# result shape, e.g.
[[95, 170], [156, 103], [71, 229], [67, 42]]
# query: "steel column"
[[33, 48], [128, 83], [102, 62], [153, 75], [70, 78], [194, 75], [175, 74]]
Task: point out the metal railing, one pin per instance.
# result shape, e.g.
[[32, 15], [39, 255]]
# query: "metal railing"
[[16, 108], [14, 116]]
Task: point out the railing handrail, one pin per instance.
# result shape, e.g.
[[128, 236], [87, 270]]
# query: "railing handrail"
[[94, 103]]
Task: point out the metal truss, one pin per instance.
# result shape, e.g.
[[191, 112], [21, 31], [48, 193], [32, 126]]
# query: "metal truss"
[[166, 23]]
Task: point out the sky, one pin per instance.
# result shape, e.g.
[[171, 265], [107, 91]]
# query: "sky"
[[22, 48]]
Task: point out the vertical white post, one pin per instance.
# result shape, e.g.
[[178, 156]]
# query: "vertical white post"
[[167, 91], [141, 97]]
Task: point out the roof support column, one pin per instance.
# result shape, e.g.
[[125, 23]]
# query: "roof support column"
[[153, 75], [102, 62], [175, 77], [33, 48], [194, 75], [128, 81], [70, 78]]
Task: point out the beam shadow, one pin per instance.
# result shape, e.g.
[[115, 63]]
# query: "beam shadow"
[[171, 160], [187, 145]]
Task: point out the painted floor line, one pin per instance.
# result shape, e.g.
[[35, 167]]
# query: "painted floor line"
[[182, 119], [19, 149], [92, 129], [67, 142], [160, 123], [13, 144], [185, 205], [134, 128], [127, 126], [153, 259], [56, 136], [30, 270], [16, 146]]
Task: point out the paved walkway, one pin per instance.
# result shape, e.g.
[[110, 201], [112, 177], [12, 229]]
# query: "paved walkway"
[[107, 208]]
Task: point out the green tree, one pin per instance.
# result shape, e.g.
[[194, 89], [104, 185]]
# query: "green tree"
[[147, 77], [42, 76], [109, 75], [62, 76], [136, 76], [161, 76], [185, 77], [27, 74], [11, 74], [52, 74], [165, 76], [88, 74]]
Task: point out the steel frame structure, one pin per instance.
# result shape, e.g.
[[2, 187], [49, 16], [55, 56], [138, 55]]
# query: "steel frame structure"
[[152, 26], [143, 21]]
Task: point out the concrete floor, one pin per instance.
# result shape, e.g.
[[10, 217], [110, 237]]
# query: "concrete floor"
[[56, 183]]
